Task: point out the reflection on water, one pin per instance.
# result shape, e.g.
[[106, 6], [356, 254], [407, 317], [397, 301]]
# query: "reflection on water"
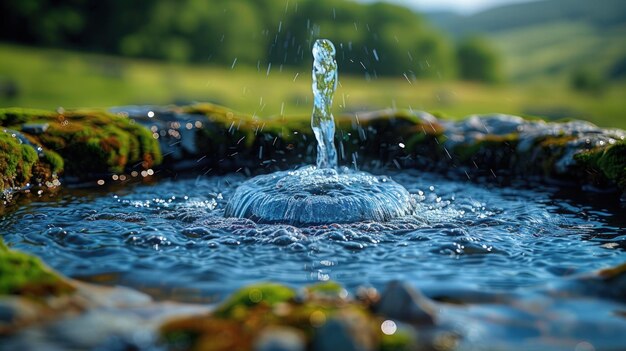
[[171, 240]]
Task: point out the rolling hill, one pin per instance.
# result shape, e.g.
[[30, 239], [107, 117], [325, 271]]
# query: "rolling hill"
[[550, 38]]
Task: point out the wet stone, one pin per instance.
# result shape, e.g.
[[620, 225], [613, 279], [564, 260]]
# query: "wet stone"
[[311, 196], [35, 128], [334, 335], [400, 301], [280, 339]]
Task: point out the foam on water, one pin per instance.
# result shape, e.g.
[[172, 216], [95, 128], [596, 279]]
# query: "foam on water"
[[320, 195], [310, 196]]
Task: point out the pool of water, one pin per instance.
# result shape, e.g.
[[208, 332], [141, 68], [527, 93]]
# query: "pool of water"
[[170, 238]]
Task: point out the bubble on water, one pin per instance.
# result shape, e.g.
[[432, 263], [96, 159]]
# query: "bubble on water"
[[388, 327]]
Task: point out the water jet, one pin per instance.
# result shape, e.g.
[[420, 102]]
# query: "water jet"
[[321, 194]]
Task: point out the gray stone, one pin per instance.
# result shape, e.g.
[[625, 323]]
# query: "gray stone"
[[280, 339], [16, 309], [400, 301], [35, 128], [334, 335]]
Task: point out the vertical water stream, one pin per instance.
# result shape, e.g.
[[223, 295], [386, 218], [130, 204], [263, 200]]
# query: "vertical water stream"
[[324, 85]]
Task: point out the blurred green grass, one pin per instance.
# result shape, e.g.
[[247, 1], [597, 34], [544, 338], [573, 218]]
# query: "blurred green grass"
[[554, 48], [47, 78]]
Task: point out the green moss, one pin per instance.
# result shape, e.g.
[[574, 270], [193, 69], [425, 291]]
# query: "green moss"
[[89, 141], [247, 125], [237, 324], [555, 141], [16, 161], [54, 160], [441, 115], [399, 341], [22, 274], [327, 289], [493, 143], [15, 116], [266, 294], [611, 161]]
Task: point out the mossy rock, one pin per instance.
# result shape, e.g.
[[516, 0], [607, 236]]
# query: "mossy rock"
[[497, 149], [25, 275], [85, 142], [398, 341], [329, 289], [609, 161], [232, 141], [241, 319], [267, 294], [12, 117], [16, 161]]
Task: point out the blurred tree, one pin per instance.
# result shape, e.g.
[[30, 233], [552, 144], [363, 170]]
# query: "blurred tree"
[[375, 39], [41, 21], [618, 70], [587, 80], [478, 61]]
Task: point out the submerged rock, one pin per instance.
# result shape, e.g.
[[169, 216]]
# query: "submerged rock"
[[335, 334], [609, 283], [400, 301]]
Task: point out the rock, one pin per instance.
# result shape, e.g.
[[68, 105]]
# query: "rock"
[[264, 293], [400, 301], [14, 310], [334, 335], [326, 290], [91, 142], [25, 275], [280, 339], [608, 283], [209, 137], [35, 128]]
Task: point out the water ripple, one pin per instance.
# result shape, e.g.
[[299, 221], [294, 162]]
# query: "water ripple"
[[173, 235]]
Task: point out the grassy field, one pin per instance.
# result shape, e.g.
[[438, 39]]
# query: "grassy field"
[[556, 48], [52, 78]]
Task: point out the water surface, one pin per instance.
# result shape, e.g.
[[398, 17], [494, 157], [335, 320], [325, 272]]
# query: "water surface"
[[170, 239]]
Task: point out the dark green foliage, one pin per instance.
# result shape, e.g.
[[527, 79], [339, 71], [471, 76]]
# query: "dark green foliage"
[[600, 13], [22, 274], [588, 81], [385, 38], [478, 61], [618, 70]]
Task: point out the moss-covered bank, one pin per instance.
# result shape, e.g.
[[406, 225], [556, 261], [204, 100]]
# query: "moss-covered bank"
[[208, 138], [25, 275], [78, 143]]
